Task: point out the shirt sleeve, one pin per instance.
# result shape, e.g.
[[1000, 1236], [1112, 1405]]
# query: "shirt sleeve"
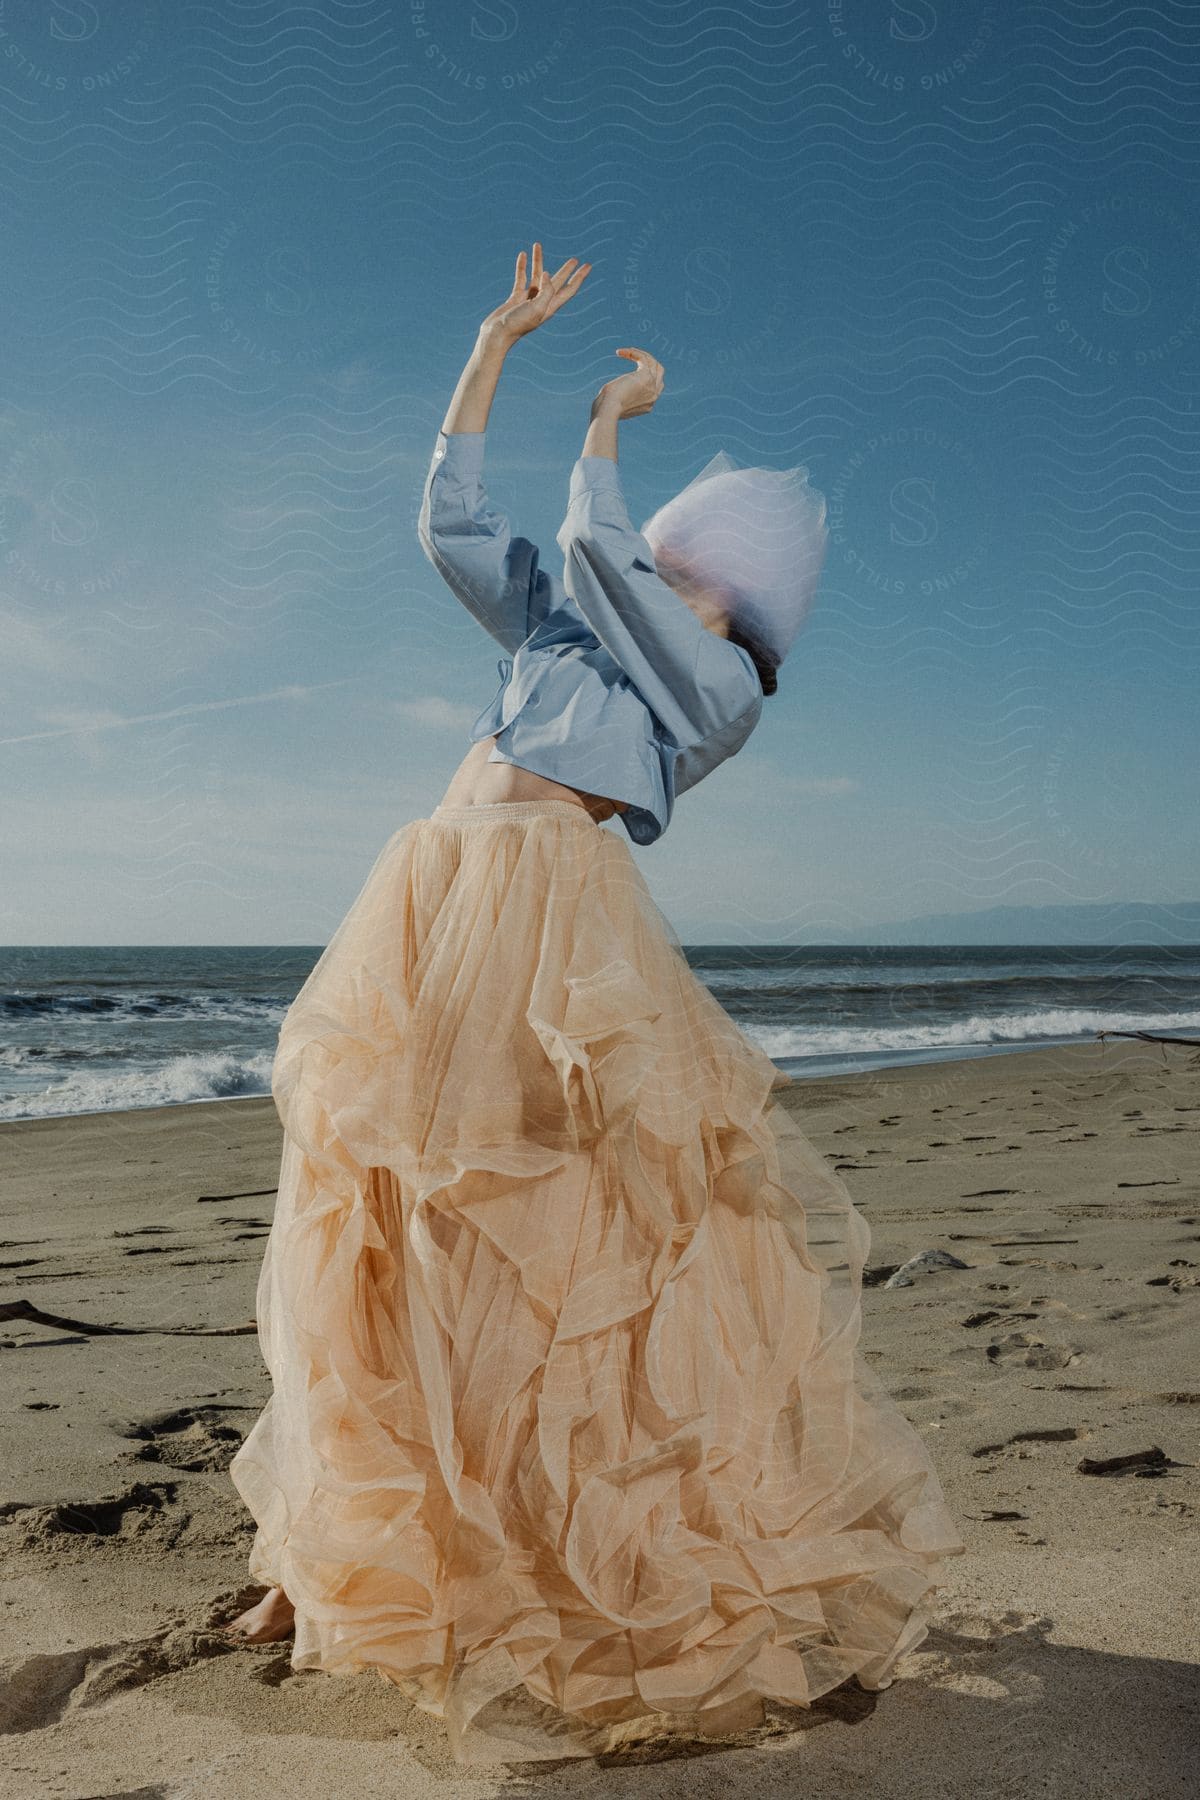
[[495, 575], [694, 681]]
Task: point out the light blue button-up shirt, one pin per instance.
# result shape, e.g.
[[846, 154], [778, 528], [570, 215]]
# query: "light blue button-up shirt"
[[614, 687]]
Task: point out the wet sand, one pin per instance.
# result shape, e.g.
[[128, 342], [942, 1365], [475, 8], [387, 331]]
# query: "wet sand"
[[1062, 1655]]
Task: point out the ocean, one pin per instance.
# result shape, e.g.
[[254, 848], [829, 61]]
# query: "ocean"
[[109, 1029]]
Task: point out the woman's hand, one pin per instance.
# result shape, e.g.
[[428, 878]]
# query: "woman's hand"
[[629, 395], [535, 300]]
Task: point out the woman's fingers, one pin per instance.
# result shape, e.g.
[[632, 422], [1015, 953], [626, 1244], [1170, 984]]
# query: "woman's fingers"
[[643, 357], [646, 365], [567, 286], [525, 280], [563, 285], [519, 286], [545, 293], [641, 387], [553, 293]]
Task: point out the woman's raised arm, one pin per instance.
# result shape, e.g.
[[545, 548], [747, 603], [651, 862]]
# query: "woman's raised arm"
[[530, 303], [495, 575], [694, 681]]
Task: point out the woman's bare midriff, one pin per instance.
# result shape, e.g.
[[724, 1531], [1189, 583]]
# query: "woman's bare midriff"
[[478, 782]]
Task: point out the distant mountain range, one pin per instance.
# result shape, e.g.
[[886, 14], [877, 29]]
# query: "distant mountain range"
[[1108, 922]]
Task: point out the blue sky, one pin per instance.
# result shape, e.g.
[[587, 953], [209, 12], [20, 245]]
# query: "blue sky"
[[951, 264]]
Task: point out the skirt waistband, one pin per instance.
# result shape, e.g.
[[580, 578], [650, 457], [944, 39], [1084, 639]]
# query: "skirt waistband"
[[498, 810]]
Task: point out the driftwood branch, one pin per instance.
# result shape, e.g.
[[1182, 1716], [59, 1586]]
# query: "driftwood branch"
[[33, 1315], [245, 1194], [1151, 1037]]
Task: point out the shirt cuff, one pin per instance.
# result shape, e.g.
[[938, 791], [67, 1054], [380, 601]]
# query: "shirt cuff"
[[595, 472], [460, 451]]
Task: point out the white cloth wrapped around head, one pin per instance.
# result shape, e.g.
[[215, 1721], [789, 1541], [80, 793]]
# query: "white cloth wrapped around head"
[[752, 540]]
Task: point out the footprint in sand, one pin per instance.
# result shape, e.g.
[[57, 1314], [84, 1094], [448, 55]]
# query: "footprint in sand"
[[1176, 1282], [989, 1628], [40, 1690], [993, 1656], [1032, 1352], [146, 1508], [197, 1439], [992, 1313], [1020, 1440]]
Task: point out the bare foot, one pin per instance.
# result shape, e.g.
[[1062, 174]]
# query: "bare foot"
[[271, 1620]]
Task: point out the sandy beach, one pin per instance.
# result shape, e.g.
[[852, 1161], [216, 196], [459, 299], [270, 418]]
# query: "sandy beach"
[[1062, 1655]]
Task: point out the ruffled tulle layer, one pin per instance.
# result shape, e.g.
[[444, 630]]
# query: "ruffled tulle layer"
[[570, 1437]]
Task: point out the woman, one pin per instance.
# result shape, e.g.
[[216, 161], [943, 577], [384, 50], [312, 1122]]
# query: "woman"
[[570, 1437]]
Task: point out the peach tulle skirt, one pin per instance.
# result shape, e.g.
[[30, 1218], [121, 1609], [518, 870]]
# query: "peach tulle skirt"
[[570, 1435]]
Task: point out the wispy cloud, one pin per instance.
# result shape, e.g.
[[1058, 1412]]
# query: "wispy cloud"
[[29, 645], [756, 778], [85, 722], [431, 709]]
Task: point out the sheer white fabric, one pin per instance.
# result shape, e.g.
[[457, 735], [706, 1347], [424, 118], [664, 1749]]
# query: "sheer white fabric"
[[753, 538]]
